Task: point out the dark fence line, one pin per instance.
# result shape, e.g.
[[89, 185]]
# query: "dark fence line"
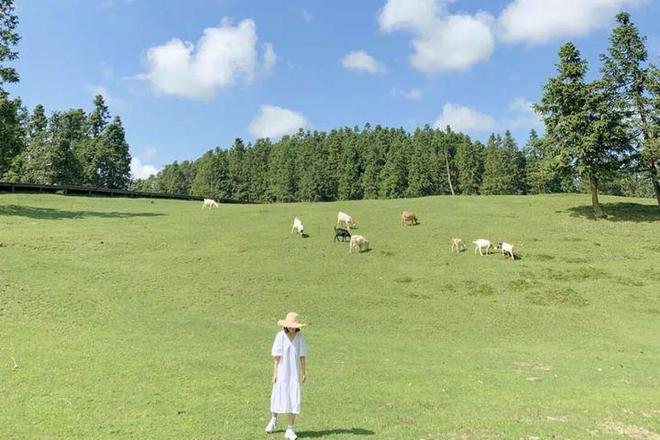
[[89, 191]]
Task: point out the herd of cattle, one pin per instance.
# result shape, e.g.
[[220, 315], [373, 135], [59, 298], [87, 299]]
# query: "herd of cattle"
[[345, 223]]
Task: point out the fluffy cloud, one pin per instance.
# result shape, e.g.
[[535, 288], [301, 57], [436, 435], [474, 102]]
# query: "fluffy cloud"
[[442, 41], [464, 119], [273, 122], [362, 61], [525, 117], [538, 21], [222, 55], [412, 94], [140, 170]]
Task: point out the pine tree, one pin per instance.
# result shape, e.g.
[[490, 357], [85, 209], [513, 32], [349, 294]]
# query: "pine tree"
[[495, 180], [350, 187], [113, 157], [581, 122], [470, 161], [393, 177], [8, 40], [629, 80], [237, 176]]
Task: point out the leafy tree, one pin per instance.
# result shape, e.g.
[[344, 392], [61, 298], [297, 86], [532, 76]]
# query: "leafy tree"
[[113, 157], [494, 177], [470, 162], [9, 38], [630, 81], [541, 174], [238, 178], [581, 123], [350, 187], [514, 180], [394, 175], [99, 118]]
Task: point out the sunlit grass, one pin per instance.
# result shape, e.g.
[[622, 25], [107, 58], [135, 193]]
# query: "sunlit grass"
[[128, 318]]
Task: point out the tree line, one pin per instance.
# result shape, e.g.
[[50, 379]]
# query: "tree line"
[[601, 136], [68, 148]]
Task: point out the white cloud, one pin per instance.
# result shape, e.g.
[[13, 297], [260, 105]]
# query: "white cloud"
[[538, 21], [113, 102], [412, 94], [140, 170], [362, 61], [443, 41], [464, 119], [223, 55], [525, 117], [273, 122], [149, 153], [270, 57]]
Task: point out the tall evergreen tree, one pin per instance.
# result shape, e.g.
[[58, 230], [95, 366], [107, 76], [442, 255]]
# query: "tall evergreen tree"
[[350, 187], [629, 80], [394, 175], [470, 162], [9, 38], [99, 118], [580, 122], [495, 179], [113, 157], [237, 171]]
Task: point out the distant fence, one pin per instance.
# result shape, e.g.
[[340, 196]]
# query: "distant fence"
[[89, 191]]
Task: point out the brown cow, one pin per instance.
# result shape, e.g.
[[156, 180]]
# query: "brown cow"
[[408, 217]]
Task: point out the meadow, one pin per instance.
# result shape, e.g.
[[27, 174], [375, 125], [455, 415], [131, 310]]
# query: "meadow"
[[132, 318]]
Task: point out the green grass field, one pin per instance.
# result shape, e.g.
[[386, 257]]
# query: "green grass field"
[[126, 318]]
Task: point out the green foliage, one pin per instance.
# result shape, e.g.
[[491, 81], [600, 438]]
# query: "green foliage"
[[632, 85], [9, 38]]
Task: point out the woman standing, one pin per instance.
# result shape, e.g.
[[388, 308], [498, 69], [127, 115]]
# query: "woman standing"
[[289, 353]]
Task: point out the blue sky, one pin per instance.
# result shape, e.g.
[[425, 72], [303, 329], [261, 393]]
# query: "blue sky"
[[187, 76]]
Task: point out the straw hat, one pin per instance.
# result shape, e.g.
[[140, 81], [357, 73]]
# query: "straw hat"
[[291, 321]]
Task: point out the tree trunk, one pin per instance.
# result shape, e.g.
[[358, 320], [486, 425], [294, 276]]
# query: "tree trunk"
[[595, 204], [451, 187]]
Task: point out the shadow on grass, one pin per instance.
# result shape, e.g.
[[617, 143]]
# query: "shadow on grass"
[[57, 214], [339, 431], [620, 212]]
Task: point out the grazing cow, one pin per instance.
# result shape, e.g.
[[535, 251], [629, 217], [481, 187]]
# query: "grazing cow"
[[209, 203], [482, 244], [506, 248], [345, 219], [343, 233], [457, 244], [358, 242], [298, 227], [408, 218]]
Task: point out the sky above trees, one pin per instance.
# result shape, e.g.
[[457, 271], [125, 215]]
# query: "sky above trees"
[[189, 76]]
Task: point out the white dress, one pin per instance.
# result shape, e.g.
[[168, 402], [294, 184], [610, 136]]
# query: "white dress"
[[285, 398]]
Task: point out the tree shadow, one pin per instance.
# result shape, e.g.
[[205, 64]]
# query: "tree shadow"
[[338, 431], [619, 212], [58, 214]]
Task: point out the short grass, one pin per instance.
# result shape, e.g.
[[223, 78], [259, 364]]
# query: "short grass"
[[126, 318]]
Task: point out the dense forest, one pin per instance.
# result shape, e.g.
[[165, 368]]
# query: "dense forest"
[[600, 136]]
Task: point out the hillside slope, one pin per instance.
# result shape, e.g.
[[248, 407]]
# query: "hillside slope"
[[124, 318]]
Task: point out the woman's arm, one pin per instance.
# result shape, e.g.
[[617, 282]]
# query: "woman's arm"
[[276, 360], [302, 369]]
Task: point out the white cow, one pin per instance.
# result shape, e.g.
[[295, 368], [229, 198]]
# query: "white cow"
[[343, 218], [209, 203], [358, 242], [482, 244], [297, 226]]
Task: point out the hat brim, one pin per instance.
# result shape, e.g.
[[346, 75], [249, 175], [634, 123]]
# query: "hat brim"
[[283, 323]]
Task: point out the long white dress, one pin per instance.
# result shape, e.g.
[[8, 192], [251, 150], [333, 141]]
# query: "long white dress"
[[285, 398]]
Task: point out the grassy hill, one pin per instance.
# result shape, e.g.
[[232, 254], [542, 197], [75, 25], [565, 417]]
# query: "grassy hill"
[[136, 319]]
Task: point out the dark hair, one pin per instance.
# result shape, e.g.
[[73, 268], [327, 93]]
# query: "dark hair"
[[287, 330]]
